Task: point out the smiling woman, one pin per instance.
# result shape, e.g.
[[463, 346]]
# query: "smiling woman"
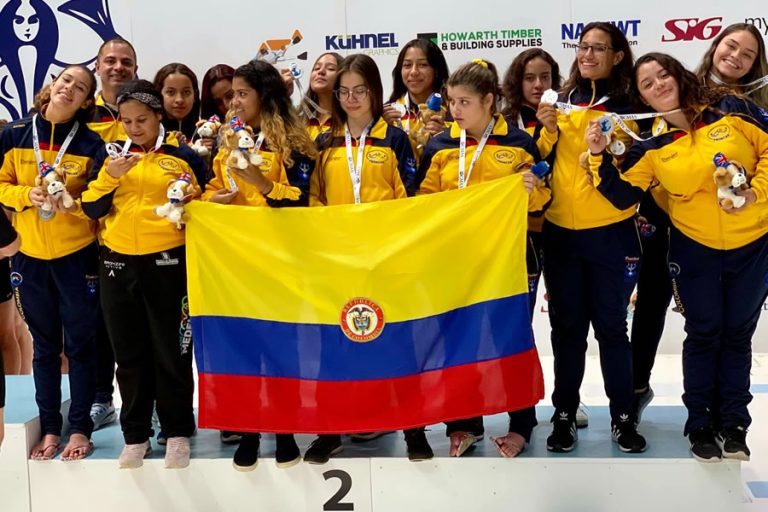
[[735, 59], [57, 262], [718, 248]]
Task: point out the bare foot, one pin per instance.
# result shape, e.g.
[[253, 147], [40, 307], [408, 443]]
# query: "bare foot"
[[509, 445], [460, 443], [78, 447], [47, 448]]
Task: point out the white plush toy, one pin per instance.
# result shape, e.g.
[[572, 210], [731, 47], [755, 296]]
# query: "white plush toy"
[[54, 185], [178, 191], [729, 176], [239, 140], [206, 130]]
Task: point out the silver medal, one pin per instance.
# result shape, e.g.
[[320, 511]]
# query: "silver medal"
[[617, 147], [549, 97]]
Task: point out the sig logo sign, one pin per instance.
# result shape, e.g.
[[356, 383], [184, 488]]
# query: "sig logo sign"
[[689, 29], [571, 32]]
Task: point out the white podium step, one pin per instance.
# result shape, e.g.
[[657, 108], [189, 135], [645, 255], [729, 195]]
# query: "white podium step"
[[22, 430], [376, 476]]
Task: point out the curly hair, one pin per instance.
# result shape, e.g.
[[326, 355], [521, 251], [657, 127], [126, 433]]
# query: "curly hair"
[[283, 130], [512, 85], [691, 92]]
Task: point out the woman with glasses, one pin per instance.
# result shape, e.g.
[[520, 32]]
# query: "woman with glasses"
[[420, 70], [718, 248], [362, 160], [590, 246]]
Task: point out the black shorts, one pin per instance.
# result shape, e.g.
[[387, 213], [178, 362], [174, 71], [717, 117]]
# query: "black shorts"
[[6, 290]]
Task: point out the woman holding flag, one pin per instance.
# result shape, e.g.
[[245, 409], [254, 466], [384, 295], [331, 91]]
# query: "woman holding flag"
[[718, 249], [498, 149], [261, 101], [348, 173]]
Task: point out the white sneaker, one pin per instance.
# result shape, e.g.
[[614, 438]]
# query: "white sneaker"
[[582, 420], [132, 456], [177, 453], [102, 413]]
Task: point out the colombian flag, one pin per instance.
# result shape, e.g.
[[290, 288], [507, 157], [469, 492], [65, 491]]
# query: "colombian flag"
[[366, 317]]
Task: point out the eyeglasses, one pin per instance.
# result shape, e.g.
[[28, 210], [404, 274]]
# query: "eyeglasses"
[[358, 93], [597, 49]]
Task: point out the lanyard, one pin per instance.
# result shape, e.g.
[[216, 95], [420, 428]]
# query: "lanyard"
[[62, 150], [758, 84], [567, 108], [619, 119], [355, 171], [463, 179], [259, 143], [407, 101], [114, 150]]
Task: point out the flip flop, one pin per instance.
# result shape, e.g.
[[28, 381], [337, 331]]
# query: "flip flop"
[[460, 443], [40, 454], [79, 452], [508, 446]]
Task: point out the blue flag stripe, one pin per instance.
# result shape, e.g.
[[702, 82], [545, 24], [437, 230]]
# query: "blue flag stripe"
[[244, 346]]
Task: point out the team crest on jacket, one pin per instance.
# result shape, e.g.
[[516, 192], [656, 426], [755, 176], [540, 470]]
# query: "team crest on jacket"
[[505, 157], [71, 168], [362, 320], [377, 156], [169, 164], [719, 132]]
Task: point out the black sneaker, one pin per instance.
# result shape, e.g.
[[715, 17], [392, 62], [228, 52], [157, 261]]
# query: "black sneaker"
[[563, 437], [229, 437], [418, 447], [287, 452], [626, 435], [323, 448], [641, 402], [704, 448], [247, 454], [733, 443]]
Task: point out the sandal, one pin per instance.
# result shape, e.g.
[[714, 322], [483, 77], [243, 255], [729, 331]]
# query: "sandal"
[[77, 452], [46, 449], [509, 445], [461, 442]]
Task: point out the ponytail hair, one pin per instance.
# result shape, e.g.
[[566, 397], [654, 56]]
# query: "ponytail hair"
[[479, 76]]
